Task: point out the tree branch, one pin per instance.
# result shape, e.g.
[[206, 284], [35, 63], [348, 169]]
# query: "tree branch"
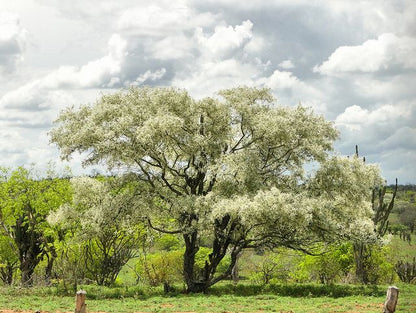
[[172, 232]]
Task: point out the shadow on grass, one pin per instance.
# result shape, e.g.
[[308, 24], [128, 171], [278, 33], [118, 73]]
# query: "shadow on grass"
[[144, 292]]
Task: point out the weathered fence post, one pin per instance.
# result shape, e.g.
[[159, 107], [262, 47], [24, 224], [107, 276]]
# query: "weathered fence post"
[[391, 299], [80, 306]]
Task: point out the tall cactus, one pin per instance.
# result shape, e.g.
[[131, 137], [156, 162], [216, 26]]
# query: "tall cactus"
[[382, 210]]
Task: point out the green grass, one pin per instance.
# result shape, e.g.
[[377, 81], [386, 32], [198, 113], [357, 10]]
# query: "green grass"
[[221, 299]]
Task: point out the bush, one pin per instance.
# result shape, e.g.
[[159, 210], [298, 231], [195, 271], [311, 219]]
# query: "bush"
[[378, 265], [332, 265], [299, 290], [166, 267], [271, 267], [69, 268], [161, 268], [168, 242]]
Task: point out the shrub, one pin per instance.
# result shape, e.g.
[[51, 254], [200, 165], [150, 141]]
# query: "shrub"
[[333, 264], [168, 242], [161, 268], [379, 267]]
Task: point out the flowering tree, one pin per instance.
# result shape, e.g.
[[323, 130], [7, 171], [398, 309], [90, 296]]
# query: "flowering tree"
[[230, 170], [99, 218]]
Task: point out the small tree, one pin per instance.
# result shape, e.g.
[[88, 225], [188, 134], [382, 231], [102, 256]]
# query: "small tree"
[[25, 203], [229, 171], [100, 217]]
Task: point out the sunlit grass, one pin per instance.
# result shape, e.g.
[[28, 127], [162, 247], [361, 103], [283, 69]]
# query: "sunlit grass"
[[153, 301]]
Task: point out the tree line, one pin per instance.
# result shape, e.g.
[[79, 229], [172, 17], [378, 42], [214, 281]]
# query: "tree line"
[[222, 174]]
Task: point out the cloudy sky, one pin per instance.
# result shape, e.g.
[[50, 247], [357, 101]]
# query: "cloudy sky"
[[353, 63]]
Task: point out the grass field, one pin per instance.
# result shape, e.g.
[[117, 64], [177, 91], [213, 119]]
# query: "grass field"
[[43, 300]]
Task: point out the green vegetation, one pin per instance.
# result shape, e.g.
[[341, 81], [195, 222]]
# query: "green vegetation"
[[25, 236], [221, 298], [210, 196]]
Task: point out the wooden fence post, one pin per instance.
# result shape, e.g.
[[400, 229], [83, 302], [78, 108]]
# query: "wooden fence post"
[[80, 306], [391, 299]]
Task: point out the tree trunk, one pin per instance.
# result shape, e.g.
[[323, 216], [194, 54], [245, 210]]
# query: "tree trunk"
[[235, 275], [48, 270], [28, 242], [28, 263], [27, 276], [191, 249], [200, 281], [360, 256], [7, 273]]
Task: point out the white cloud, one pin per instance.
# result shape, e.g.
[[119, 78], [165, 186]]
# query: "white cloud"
[[153, 19], [101, 71], [356, 117], [286, 64], [377, 17], [386, 52], [388, 89], [256, 45], [366, 58], [404, 137], [9, 141], [290, 90], [12, 41], [219, 62], [41, 94], [171, 48], [162, 18], [211, 77], [385, 134], [225, 40], [282, 80], [148, 76]]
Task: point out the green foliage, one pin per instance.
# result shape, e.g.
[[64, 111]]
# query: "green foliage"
[[8, 259], [380, 265], [25, 202], [271, 267], [167, 266], [69, 266], [332, 265], [406, 271], [168, 242], [106, 255], [203, 256], [161, 268]]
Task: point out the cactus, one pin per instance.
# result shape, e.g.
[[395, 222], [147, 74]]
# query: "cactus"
[[406, 271], [382, 210]]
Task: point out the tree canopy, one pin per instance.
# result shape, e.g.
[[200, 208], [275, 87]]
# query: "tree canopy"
[[228, 169]]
